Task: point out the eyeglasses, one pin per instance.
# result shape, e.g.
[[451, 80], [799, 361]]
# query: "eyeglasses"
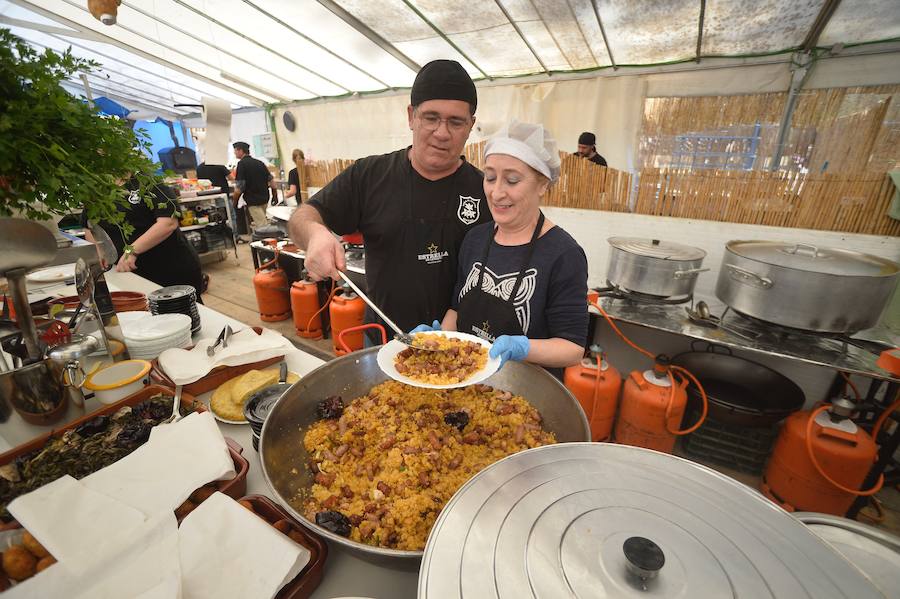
[[431, 122]]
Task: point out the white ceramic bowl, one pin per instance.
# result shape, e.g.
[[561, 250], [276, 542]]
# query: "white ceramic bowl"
[[119, 380]]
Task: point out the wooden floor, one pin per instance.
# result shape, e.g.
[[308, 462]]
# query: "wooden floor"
[[231, 292]]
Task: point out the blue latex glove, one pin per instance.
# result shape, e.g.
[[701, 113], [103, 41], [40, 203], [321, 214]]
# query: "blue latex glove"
[[510, 347], [424, 328]]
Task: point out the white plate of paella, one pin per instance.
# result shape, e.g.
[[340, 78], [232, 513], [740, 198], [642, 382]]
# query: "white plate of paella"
[[462, 360]]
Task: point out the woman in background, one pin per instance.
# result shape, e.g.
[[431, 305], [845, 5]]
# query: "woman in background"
[[156, 249], [297, 178]]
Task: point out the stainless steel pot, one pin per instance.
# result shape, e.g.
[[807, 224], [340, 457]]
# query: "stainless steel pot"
[[654, 267], [874, 551], [804, 286], [285, 461]]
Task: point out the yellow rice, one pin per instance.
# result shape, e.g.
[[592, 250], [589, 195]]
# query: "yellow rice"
[[458, 359], [391, 462]]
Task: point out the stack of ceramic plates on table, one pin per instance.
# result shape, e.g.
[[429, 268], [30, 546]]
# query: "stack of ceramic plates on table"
[[146, 335], [177, 299]]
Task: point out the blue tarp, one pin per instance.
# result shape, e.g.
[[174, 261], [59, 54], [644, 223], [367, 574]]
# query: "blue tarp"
[[111, 107], [160, 136], [157, 131]]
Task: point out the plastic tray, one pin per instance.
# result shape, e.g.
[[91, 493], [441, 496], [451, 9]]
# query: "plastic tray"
[[309, 578], [216, 376], [234, 487]]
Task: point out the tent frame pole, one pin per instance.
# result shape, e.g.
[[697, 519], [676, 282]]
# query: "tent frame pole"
[[263, 46], [124, 46], [522, 35], [612, 61], [316, 44], [801, 67], [373, 37]]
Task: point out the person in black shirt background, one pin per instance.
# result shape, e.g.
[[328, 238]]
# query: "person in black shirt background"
[[587, 148], [296, 187], [217, 175], [254, 181], [413, 206], [156, 250]]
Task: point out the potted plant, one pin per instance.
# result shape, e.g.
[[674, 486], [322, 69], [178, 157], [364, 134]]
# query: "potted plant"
[[58, 154]]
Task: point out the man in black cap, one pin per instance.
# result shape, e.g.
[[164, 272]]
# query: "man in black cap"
[[588, 149], [413, 206], [254, 181]]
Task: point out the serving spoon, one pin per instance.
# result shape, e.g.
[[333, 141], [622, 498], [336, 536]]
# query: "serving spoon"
[[404, 338]]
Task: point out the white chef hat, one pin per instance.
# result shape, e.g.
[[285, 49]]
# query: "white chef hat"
[[530, 143]]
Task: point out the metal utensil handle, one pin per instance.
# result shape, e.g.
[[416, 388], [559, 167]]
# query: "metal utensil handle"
[[372, 305], [798, 246], [282, 373], [748, 277], [689, 273], [75, 375]]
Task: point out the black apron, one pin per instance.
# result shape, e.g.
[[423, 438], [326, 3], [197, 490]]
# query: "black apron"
[[487, 315], [434, 238]]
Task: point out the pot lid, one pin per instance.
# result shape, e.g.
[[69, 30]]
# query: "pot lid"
[[814, 258], [655, 248], [872, 550], [606, 520]]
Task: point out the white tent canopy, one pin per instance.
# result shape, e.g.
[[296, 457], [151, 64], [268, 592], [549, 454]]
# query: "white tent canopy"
[[253, 52]]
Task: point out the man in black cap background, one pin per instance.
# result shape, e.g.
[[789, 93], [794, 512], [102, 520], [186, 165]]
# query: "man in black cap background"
[[587, 148], [413, 206], [254, 181]]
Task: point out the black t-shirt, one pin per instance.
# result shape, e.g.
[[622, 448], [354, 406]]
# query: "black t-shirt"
[[398, 211], [551, 296], [596, 158], [252, 178], [173, 256], [294, 179], [216, 173]]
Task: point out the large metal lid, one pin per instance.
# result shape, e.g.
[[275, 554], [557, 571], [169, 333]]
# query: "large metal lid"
[[814, 258], [584, 519], [873, 551], [656, 248]]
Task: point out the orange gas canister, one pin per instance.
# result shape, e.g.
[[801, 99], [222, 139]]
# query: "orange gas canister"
[[305, 307], [347, 310], [272, 292], [819, 461], [651, 408], [596, 385]]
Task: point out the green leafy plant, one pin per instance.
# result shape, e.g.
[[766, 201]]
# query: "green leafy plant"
[[57, 152]]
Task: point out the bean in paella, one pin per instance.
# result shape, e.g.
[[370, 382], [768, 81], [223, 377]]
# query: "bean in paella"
[[396, 455], [457, 360]]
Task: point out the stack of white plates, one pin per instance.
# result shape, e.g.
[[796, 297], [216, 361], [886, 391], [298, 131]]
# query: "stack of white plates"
[[148, 336]]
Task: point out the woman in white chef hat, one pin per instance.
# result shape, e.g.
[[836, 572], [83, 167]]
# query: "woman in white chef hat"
[[522, 280]]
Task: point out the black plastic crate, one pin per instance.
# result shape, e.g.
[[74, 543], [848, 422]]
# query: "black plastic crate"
[[743, 448], [218, 237], [197, 240]]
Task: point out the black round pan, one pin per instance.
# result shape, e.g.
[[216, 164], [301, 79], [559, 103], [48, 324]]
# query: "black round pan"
[[740, 391]]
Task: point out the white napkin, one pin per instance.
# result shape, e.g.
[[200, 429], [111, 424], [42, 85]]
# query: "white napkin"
[[245, 346], [159, 475], [144, 563], [226, 551], [73, 522]]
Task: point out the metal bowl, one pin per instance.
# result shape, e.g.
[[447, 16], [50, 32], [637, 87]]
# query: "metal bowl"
[[284, 460]]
